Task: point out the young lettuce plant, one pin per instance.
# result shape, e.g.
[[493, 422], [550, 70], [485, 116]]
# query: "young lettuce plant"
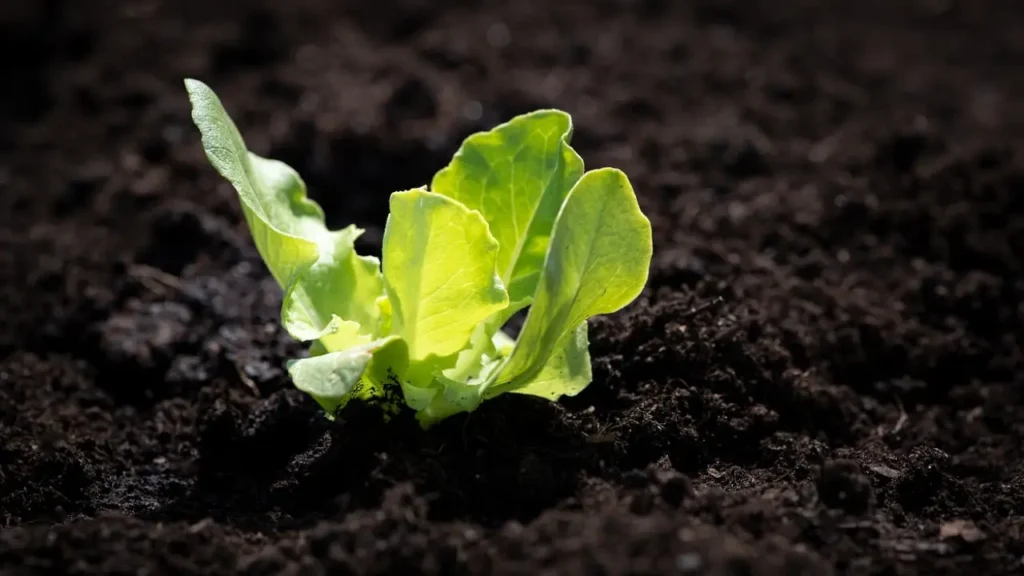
[[513, 222]]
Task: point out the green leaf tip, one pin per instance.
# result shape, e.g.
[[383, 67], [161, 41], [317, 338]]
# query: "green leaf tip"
[[325, 282], [513, 222], [517, 175]]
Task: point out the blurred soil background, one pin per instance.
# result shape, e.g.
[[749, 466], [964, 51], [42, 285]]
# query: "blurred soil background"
[[823, 376]]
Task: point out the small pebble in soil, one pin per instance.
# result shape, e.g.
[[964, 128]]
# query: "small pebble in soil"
[[498, 35], [843, 485], [473, 110], [143, 336], [674, 486], [689, 562], [634, 479]]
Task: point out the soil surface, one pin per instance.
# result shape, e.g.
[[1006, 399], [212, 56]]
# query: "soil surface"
[[824, 375]]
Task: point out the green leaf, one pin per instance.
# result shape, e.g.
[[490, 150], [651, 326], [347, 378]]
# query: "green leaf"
[[384, 309], [461, 387], [439, 273], [517, 175], [452, 398], [334, 378], [324, 280], [340, 284], [471, 358], [390, 363], [597, 263], [566, 373], [342, 335]]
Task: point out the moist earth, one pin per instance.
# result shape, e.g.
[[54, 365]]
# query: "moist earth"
[[822, 376]]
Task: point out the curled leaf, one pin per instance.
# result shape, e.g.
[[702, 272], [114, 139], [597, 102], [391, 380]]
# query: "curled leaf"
[[319, 270], [597, 263]]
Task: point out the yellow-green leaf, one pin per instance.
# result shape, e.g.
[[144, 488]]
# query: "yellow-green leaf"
[[566, 373], [597, 263], [439, 272], [517, 176], [325, 281]]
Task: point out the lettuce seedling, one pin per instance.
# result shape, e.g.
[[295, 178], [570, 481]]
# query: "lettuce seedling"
[[513, 222]]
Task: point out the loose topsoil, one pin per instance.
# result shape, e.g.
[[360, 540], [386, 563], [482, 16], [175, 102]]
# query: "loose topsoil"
[[823, 375]]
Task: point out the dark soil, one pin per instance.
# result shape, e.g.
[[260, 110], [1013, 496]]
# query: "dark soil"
[[825, 374]]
